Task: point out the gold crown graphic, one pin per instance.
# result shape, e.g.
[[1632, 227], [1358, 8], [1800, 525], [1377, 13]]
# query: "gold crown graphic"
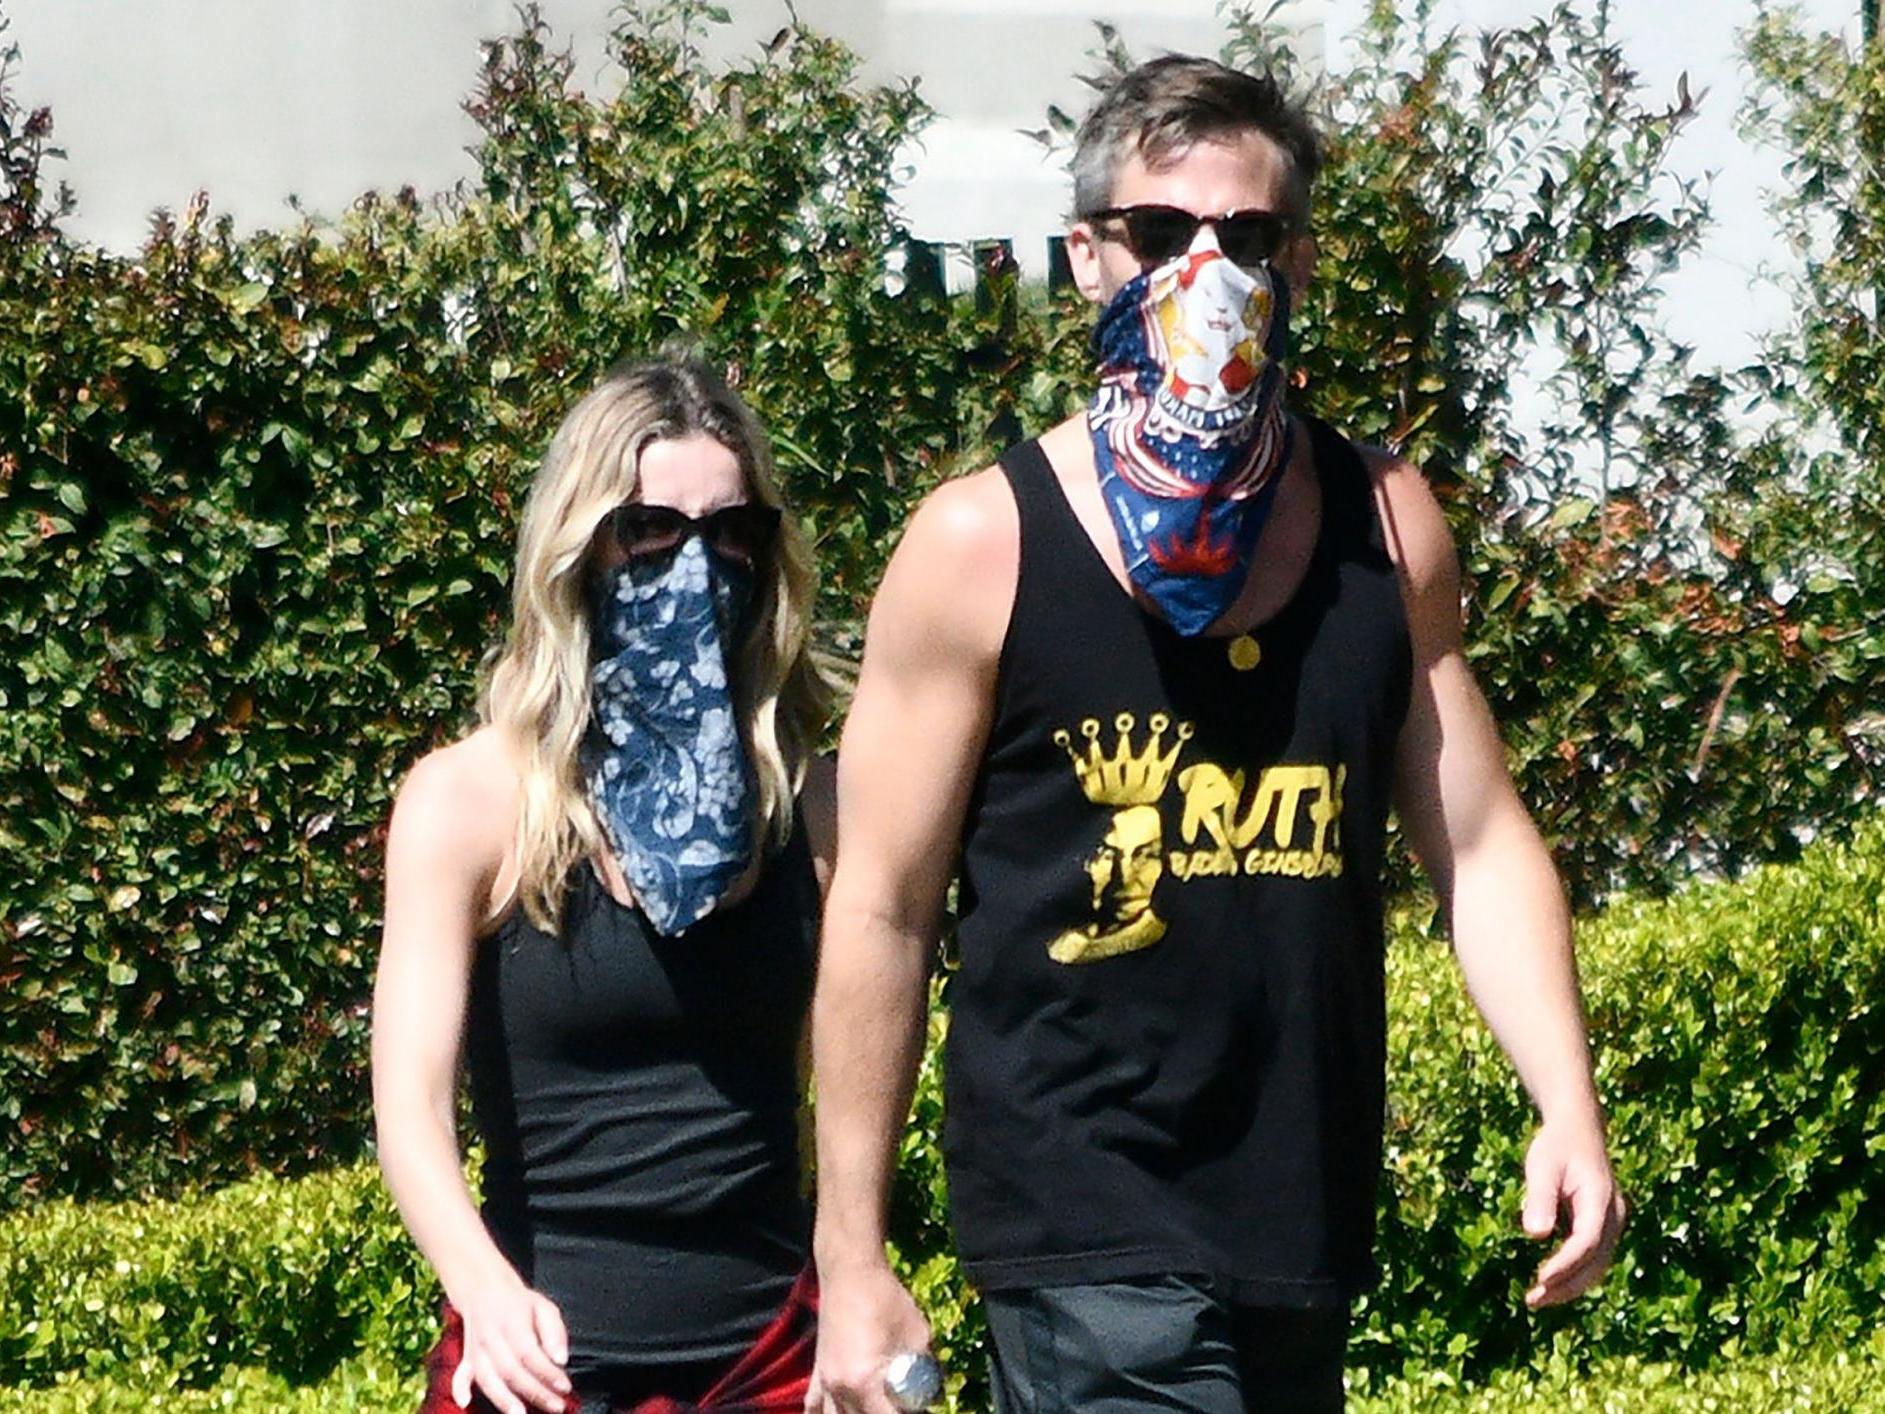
[[1124, 778]]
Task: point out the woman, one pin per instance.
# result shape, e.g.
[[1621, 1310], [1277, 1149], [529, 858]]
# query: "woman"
[[605, 899]]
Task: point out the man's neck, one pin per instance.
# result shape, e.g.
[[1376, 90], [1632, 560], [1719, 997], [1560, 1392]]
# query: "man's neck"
[[1283, 550]]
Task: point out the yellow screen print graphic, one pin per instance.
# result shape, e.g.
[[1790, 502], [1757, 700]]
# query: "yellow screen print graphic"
[[1288, 823], [1131, 856]]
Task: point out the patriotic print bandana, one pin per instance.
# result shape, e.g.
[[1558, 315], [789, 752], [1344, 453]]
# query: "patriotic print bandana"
[[666, 769], [1189, 433]]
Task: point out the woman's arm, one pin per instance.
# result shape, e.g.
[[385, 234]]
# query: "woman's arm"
[[444, 853]]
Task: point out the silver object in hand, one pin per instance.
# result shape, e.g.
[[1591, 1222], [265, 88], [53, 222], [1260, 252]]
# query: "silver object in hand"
[[914, 1380]]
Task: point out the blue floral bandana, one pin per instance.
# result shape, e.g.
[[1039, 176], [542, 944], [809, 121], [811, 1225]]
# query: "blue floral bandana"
[[1188, 427], [666, 768]]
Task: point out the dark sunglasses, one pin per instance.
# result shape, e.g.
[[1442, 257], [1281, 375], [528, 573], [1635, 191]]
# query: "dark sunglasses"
[[741, 533], [1156, 234]]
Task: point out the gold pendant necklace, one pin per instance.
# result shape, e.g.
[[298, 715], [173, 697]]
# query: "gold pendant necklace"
[[1244, 653]]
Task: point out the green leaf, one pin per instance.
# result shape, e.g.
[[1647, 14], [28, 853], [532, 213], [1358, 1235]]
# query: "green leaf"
[[1574, 510]]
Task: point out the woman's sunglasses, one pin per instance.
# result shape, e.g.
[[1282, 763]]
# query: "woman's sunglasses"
[[741, 533], [1156, 234]]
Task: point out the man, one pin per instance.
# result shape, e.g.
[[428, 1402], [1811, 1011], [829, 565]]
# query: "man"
[[1157, 679]]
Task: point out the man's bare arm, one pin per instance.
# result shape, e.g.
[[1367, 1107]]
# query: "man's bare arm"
[[1501, 895], [907, 763]]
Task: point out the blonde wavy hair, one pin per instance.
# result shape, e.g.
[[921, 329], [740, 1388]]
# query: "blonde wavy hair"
[[537, 681]]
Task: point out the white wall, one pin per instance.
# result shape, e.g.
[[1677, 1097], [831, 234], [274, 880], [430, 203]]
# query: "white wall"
[[258, 100]]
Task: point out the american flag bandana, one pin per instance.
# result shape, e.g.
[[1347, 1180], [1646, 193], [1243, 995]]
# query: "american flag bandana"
[[1188, 426]]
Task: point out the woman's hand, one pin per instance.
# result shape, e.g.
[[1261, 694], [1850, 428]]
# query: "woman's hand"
[[515, 1349]]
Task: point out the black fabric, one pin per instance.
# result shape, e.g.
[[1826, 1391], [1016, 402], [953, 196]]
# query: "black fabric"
[[1157, 1343], [638, 1100], [1203, 1093]]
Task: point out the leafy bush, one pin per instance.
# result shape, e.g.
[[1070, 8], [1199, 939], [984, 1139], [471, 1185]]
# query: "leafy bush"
[[1799, 1382], [1681, 636], [1741, 1050], [1804, 1382], [293, 1276], [256, 512], [257, 498]]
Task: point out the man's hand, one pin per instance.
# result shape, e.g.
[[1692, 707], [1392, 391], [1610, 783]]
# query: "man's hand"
[[1567, 1173], [865, 1318]]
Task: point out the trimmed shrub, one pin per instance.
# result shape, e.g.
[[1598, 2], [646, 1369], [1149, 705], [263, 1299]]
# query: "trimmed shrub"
[[1796, 1382], [1741, 1053], [360, 1387], [292, 1276], [1741, 1050], [1801, 1382]]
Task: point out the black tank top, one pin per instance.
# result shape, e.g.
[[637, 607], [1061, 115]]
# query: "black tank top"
[[1166, 1044], [638, 1100]]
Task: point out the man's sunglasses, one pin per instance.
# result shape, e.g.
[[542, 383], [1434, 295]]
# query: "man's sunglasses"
[[741, 533], [1156, 234]]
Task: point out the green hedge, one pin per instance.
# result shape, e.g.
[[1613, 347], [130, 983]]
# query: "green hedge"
[[257, 496], [1803, 1382], [359, 1387], [292, 1276], [1740, 1042], [1741, 1049], [1798, 1382]]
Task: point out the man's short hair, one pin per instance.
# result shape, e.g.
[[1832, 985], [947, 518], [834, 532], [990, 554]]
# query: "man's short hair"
[[1167, 104]]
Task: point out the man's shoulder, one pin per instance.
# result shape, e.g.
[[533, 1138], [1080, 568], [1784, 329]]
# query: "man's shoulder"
[[1413, 526], [966, 529], [948, 590], [972, 514]]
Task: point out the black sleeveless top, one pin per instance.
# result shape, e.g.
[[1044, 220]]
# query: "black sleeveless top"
[[1167, 1034], [638, 1101]]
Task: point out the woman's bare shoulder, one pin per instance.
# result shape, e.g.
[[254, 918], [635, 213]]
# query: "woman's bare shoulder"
[[463, 795]]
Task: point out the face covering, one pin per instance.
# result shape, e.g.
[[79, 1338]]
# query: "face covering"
[[1189, 433], [666, 769]]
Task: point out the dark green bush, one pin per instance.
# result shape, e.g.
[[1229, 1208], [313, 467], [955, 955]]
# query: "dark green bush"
[[1741, 1050], [257, 498]]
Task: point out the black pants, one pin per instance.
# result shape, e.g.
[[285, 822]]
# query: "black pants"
[[1160, 1343]]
